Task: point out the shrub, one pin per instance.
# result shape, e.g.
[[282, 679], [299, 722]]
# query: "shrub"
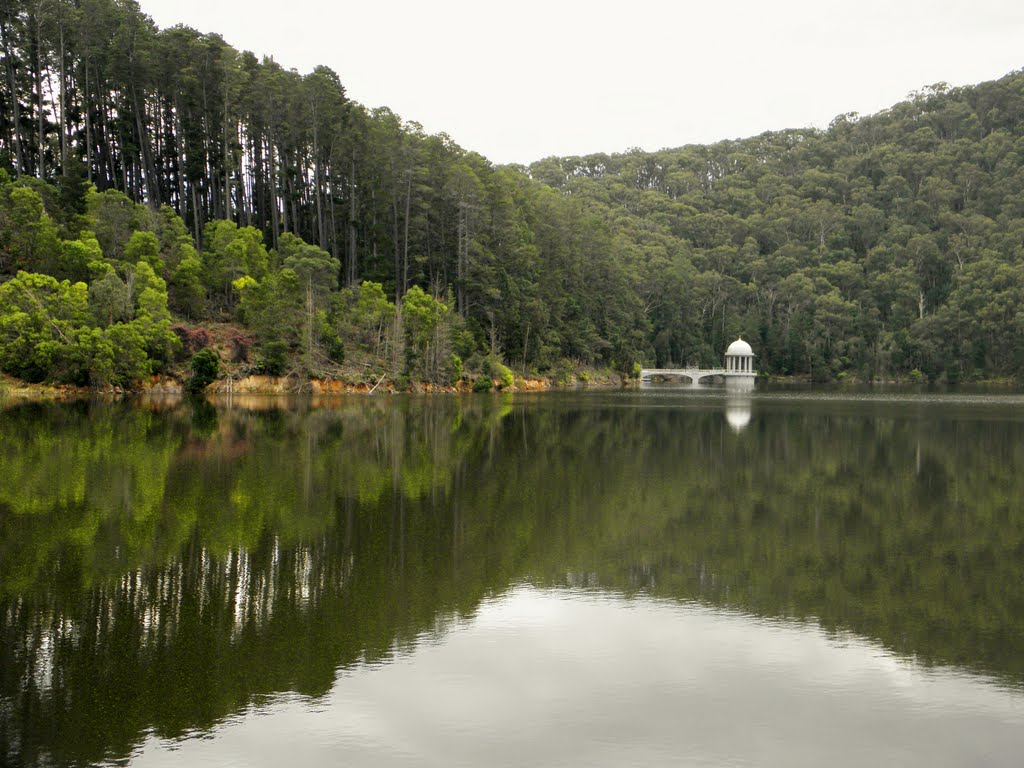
[[456, 364], [274, 360], [483, 384], [507, 379], [205, 367], [493, 367], [336, 350]]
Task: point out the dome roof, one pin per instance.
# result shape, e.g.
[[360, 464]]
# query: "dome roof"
[[740, 348]]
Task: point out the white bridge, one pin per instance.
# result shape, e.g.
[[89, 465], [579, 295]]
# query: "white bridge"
[[695, 375], [738, 373]]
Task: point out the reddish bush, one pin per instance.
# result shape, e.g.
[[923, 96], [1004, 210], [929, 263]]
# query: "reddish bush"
[[192, 339], [241, 344]]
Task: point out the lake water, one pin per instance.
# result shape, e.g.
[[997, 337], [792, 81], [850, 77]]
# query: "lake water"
[[662, 577]]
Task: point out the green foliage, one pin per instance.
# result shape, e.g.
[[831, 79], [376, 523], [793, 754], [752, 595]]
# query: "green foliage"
[[38, 321], [272, 309], [144, 246], [114, 218], [175, 242], [496, 369], [273, 359], [336, 350], [110, 300], [153, 321], [483, 384], [363, 315], [313, 266], [422, 315], [884, 244], [186, 293], [130, 363], [205, 368], [80, 260], [331, 341], [229, 253], [28, 238], [427, 324], [82, 334]]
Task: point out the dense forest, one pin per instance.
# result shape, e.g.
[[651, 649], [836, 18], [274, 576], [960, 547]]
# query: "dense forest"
[[165, 192]]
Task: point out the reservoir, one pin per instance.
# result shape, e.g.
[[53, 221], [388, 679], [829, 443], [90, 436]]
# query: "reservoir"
[[669, 576]]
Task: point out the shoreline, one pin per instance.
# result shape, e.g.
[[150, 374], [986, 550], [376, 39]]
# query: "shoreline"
[[287, 386], [292, 386]]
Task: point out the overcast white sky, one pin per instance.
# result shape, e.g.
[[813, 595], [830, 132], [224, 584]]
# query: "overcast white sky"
[[518, 81]]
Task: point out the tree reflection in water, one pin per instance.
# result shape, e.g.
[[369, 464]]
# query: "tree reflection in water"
[[163, 565]]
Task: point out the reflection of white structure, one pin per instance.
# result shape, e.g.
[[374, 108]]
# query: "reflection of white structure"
[[737, 413], [738, 373]]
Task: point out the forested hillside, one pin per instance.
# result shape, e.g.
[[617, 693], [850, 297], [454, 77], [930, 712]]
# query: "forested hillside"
[[164, 191], [883, 245]]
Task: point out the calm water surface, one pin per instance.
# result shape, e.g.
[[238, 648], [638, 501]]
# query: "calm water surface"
[[677, 577]]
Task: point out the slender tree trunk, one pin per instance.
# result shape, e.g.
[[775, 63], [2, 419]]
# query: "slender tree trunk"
[[19, 152], [145, 151], [317, 180], [399, 288], [64, 128], [40, 121], [275, 219], [180, 160], [373, 237], [526, 346], [197, 231], [461, 252], [87, 110], [226, 161], [352, 253], [293, 199], [107, 141], [310, 315], [334, 222], [405, 244]]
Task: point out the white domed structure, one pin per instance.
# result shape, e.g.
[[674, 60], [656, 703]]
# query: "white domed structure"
[[739, 358], [739, 348]]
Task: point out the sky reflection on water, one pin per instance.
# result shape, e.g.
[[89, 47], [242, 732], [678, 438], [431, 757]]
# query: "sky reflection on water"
[[563, 677]]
